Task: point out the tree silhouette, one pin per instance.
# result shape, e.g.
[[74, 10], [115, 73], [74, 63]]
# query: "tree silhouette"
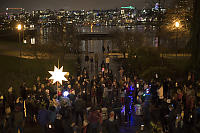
[[126, 41], [195, 36]]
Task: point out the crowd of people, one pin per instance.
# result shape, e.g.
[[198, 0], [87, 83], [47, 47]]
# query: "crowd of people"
[[101, 104]]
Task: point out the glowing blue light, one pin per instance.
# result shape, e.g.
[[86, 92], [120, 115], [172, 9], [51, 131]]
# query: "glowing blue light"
[[132, 88], [123, 109], [65, 93], [147, 91], [130, 104], [157, 6]]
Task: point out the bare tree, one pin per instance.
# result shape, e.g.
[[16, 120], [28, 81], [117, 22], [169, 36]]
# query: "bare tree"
[[126, 41]]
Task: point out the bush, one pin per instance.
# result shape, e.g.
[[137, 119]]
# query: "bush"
[[143, 58]]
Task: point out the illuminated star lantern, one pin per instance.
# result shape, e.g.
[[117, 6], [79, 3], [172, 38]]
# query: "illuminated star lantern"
[[58, 75]]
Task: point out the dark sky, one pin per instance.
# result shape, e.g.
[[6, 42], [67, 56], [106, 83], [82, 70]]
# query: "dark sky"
[[71, 4]]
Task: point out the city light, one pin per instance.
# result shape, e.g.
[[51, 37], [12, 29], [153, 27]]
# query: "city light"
[[142, 127], [177, 24], [126, 58], [32, 26], [65, 93], [19, 27], [33, 40], [50, 126], [25, 41], [129, 7]]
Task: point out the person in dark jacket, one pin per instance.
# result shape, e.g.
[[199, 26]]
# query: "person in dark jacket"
[[18, 118], [79, 107], [43, 118], [94, 121], [7, 120], [111, 124], [23, 91], [10, 98], [99, 92], [116, 105], [67, 121]]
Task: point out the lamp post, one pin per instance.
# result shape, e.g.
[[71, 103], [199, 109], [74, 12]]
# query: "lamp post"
[[19, 28], [177, 25]]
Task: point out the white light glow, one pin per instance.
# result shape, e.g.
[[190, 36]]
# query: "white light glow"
[[58, 75], [177, 24], [32, 26], [65, 93], [32, 40], [19, 27]]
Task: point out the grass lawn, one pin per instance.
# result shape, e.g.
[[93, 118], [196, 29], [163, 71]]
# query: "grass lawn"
[[14, 70]]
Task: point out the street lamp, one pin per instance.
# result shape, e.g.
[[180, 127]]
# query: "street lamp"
[[19, 28], [177, 25]]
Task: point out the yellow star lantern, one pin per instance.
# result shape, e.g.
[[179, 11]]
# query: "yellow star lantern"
[[58, 75]]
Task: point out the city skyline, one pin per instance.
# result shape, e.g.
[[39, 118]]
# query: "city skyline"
[[71, 4]]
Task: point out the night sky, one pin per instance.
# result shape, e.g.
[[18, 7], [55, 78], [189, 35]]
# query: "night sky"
[[70, 4]]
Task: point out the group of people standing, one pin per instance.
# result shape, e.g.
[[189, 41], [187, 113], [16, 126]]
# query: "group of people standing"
[[100, 104]]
